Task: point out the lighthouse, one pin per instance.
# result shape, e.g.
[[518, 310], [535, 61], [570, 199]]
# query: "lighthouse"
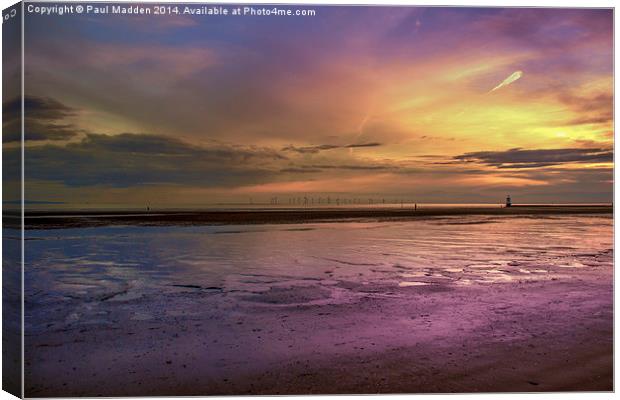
[[508, 201]]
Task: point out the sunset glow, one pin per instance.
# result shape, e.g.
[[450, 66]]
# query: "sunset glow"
[[424, 104]]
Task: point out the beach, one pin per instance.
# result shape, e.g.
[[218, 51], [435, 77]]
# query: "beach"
[[52, 219], [461, 302]]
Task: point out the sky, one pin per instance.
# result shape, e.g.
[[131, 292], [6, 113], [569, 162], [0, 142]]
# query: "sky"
[[436, 105]]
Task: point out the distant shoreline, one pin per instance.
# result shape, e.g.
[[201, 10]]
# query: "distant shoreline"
[[83, 219]]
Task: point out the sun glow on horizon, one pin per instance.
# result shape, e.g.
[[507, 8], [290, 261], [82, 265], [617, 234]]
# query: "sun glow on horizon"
[[429, 102]]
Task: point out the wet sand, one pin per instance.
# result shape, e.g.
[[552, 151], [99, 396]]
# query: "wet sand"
[[77, 219], [485, 304], [551, 336]]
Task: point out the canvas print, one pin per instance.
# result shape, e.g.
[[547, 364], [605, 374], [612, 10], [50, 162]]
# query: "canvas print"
[[227, 199]]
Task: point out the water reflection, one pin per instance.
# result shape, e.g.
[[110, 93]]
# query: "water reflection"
[[72, 271]]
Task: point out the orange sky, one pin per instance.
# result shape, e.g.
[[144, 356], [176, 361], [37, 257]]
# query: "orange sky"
[[427, 104]]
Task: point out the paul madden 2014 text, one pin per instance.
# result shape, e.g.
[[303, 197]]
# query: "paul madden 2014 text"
[[155, 9]]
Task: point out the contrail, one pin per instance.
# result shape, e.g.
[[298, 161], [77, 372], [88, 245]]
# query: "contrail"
[[360, 130], [513, 77]]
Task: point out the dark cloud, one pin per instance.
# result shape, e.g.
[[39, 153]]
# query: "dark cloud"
[[596, 109], [130, 159], [46, 108], [37, 108], [165, 146], [372, 144], [139, 159], [44, 120], [367, 167], [520, 158], [301, 170], [36, 131], [311, 149], [323, 147], [134, 160]]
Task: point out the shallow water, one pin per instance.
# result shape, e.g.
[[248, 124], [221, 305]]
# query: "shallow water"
[[70, 273]]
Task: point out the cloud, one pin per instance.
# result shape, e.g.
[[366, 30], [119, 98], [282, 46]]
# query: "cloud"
[[520, 158], [300, 170], [512, 78], [323, 147], [136, 160], [551, 31], [36, 107], [44, 120], [596, 109], [133, 159], [372, 144], [362, 167], [311, 149], [135, 167]]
